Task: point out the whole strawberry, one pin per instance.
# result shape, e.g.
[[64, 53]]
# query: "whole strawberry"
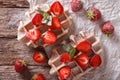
[[93, 14], [108, 28], [20, 66], [76, 5], [38, 76]]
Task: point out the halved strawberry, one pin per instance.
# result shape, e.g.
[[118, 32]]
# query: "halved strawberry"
[[57, 8], [38, 76], [33, 34], [38, 57], [55, 23], [82, 60], [49, 37], [95, 61], [64, 72], [37, 19], [84, 46], [65, 57]]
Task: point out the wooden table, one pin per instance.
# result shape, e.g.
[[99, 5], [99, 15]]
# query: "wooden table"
[[11, 12]]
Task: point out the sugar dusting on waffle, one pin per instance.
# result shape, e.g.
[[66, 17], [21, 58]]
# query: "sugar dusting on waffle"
[[76, 70]]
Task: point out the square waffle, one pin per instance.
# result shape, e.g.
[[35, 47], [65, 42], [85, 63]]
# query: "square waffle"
[[76, 70], [66, 22]]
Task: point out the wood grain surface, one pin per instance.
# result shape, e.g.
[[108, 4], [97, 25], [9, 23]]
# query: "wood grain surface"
[[11, 12]]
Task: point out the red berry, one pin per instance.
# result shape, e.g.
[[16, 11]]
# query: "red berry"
[[55, 23], [38, 76], [108, 28], [33, 34], [95, 61], [76, 5], [37, 19], [49, 37], [84, 46], [93, 14], [64, 72], [65, 57], [38, 57], [82, 60], [57, 8], [20, 66]]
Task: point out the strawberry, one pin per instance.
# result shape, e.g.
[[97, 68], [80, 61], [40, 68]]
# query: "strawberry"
[[65, 57], [38, 76], [108, 28], [33, 34], [64, 72], [95, 60], [82, 60], [84, 46], [49, 37], [55, 23], [93, 14], [37, 19], [20, 66], [38, 57], [76, 5], [57, 8]]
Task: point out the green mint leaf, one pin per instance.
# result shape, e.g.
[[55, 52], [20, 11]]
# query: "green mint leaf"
[[72, 52]]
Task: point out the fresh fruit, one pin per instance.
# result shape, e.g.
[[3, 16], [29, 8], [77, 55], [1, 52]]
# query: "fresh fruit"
[[93, 14], [76, 5], [57, 8], [49, 37], [95, 61], [64, 72], [84, 46], [38, 76], [82, 60], [37, 19], [108, 28], [20, 66], [33, 34], [38, 57], [65, 57], [55, 23]]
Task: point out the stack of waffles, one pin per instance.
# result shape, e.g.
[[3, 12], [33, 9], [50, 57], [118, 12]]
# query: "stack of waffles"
[[76, 70], [65, 20]]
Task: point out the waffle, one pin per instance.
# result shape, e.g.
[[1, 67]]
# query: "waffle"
[[76, 70], [66, 22]]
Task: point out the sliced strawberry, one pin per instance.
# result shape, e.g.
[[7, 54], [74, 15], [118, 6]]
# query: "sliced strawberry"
[[57, 8], [55, 23], [64, 72], [20, 66], [84, 46], [38, 57], [65, 57], [82, 60], [95, 61], [37, 19], [33, 34], [49, 37], [38, 76]]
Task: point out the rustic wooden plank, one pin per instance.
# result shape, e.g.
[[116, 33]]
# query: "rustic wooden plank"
[[9, 21], [8, 73], [14, 4]]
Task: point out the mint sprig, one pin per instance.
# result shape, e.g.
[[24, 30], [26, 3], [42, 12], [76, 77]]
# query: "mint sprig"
[[46, 15], [70, 49]]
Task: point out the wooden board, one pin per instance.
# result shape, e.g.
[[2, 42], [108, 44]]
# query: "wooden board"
[[11, 12]]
